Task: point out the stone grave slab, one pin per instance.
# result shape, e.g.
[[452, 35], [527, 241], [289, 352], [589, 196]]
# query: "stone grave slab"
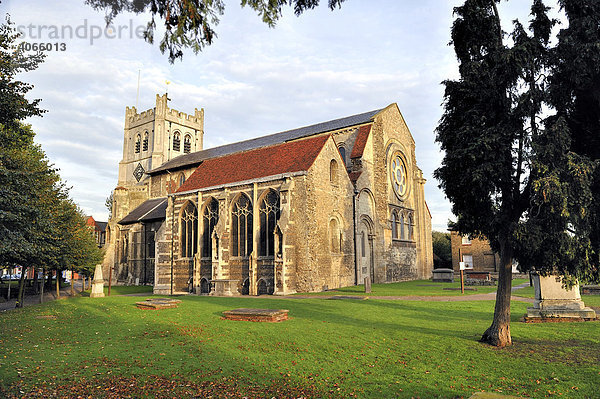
[[552, 301], [258, 315], [590, 290], [356, 298], [158, 303]]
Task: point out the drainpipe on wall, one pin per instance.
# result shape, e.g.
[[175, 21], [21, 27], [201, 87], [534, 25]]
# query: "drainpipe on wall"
[[172, 240], [354, 227]]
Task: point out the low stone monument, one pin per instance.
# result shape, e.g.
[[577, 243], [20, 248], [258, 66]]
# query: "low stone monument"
[[552, 301], [97, 283], [443, 275], [259, 315]]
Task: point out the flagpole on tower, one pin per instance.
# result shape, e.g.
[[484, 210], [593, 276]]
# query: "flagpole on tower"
[[167, 83], [137, 98]]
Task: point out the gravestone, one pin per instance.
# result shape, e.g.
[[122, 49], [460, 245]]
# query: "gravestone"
[[554, 301], [97, 283], [367, 285], [443, 275]]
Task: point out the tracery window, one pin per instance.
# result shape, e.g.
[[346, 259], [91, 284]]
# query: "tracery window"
[[145, 142], [401, 226], [241, 227], [210, 217], [138, 139], [176, 141], [394, 225], [187, 143], [188, 222], [269, 212]]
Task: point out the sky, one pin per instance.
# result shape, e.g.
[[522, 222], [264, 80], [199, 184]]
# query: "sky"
[[252, 81]]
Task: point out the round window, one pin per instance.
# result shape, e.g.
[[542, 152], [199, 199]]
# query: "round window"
[[398, 175]]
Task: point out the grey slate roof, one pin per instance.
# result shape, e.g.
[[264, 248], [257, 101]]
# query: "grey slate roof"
[[101, 225], [277, 138], [152, 209]]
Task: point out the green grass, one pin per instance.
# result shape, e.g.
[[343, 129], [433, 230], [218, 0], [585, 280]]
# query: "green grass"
[[371, 349], [412, 288]]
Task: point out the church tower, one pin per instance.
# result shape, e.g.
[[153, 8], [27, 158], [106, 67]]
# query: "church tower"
[[156, 136]]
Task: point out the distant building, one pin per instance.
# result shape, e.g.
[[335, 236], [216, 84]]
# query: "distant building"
[[99, 230], [475, 252]]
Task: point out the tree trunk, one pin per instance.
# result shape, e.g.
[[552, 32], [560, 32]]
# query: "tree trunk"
[[43, 283], [35, 281], [498, 334], [20, 294], [10, 273], [57, 284]]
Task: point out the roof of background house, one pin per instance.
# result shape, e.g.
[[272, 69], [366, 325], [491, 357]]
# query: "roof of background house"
[[101, 225], [196, 158], [150, 210], [293, 156]]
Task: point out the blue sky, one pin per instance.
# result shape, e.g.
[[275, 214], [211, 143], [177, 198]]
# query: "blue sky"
[[252, 81]]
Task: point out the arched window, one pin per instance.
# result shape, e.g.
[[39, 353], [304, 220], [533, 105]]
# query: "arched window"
[[394, 225], [333, 172], [411, 227], [176, 141], [145, 142], [401, 226], [241, 227], [188, 222], [343, 153], [138, 140], [335, 236], [181, 180], [187, 143], [363, 244], [269, 214], [210, 218]]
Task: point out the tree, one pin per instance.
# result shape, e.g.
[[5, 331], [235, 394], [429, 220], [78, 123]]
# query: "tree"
[[442, 249], [490, 132], [189, 23]]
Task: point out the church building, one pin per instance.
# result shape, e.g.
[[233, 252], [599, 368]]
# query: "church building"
[[315, 208]]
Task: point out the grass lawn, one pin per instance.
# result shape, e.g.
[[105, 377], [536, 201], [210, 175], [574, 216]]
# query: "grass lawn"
[[106, 347], [412, 288]]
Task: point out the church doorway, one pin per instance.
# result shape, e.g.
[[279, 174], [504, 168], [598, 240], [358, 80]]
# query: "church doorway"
[[365, 252]]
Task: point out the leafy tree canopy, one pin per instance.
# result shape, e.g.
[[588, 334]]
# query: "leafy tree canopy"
[[191, 23]]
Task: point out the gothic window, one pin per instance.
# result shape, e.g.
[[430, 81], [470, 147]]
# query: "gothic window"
[[181, 180], [411, 227], [187, 143], [343, 153], [210, 218], [394, 225], [138, 140], [363, 244], [188, 222], [333, 172], [125, 247], [176, 141], [269, 214], [335, 236], [241, 227], [145, 142], [401, 225]]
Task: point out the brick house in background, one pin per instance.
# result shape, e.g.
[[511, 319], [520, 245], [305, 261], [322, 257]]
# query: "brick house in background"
[[98, 229], [476, 253]]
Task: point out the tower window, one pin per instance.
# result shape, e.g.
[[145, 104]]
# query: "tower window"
[[176, 142], [145, 142], [138, 140], [343, 153], [187, 143]]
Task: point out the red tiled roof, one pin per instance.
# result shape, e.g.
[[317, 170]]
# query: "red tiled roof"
[[361, 141], [354, 176], [293, 156]]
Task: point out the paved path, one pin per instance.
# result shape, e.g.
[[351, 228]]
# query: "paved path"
[[462, 298]]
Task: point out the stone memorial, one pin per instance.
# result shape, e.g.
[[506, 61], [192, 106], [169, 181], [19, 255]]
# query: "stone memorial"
[[443, 275], [97, 283], [552, 300]]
